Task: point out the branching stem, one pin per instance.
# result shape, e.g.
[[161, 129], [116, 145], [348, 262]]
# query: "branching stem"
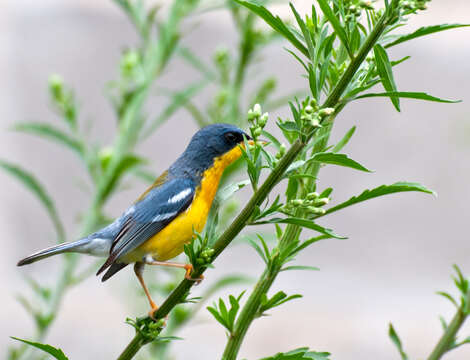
[[448, 338]]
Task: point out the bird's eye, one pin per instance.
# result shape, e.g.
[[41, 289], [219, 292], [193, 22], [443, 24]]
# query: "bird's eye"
[[231, 137]]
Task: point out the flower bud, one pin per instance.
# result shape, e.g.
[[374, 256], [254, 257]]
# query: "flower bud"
[[314, 104], [322, 201], [251, 115], [315, 122], [308, 109], [312, 195], [326, 112], [316, 211], [263, 119], [56, 85], [257, 110]]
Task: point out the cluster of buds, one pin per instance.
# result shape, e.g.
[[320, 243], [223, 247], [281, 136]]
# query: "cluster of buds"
[[355, 7], [311, 115], [312, 203], [205, 256], [257, 120], [413, 5], [62, 98]]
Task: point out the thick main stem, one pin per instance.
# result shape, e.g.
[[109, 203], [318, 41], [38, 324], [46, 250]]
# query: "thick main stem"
[[291, 233], [450, 333]]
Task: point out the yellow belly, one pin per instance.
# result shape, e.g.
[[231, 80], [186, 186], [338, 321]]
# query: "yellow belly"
[[169, 242]]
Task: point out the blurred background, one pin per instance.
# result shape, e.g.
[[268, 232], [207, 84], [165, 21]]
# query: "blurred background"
[[400, 248]]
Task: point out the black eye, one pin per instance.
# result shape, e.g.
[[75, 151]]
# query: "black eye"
[[232, 138]]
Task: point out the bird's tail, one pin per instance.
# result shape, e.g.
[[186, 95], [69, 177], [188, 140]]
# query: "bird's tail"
[[96, 246]]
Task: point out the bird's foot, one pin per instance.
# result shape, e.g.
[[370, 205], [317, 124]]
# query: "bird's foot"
[[152, 313], [189, 268]]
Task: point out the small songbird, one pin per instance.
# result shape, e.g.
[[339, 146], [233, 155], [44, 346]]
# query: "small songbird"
[[155, 228]]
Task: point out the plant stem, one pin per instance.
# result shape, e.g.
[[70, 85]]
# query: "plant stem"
[[291, 233], [448, 338], [250, 310]]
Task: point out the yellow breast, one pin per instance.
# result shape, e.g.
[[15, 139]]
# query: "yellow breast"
[[169, 242]]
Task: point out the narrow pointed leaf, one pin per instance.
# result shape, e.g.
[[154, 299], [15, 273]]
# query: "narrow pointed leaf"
[[423, 31], [276, 23], [342, 143], [408, 95], [305, 32], [55, 352], [338, 159], [380, 191], [448, 297], [300, 267], [52, 133], [396, 340], [30, 181], [309, 224], [217, 316], [384, 68], [334, 21]]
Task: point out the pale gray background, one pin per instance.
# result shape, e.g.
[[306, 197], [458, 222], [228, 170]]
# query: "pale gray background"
[[400, 249]]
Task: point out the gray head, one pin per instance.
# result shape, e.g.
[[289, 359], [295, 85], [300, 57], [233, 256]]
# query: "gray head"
[[207, 144]]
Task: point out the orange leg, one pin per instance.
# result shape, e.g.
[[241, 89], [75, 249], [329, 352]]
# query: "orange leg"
[[187, 267], [138, 269]]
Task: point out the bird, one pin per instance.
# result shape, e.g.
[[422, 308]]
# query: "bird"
[[155, 228]]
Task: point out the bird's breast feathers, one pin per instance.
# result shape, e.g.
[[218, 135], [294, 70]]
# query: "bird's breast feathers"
[[169, 242]]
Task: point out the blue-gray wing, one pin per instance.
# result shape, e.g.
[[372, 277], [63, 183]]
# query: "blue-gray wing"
[[150, 215]]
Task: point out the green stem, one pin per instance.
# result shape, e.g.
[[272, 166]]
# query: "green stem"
[[448, 338], [250, 310], [291, 233]]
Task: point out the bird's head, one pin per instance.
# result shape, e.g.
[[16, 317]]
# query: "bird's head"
[[216, 142]]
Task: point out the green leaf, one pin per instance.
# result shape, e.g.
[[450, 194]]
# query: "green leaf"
[[37, 189], [407, 95], [300, 354], [55, 352], [305, 32], [276, 23], [380, 191], [52, 133], [338, 159], [423, 31], [384, 68], [334, 21], [300, 267], [303, 223], [448, 297], [258, 250], [396, 340], [127, 163], [228, 191], [307, 243], [217, 316], [271, 138], [289, 126], [342, 143]]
